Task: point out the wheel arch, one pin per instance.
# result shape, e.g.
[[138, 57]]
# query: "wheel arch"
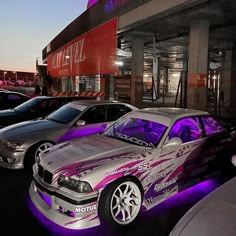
[[126, 177]]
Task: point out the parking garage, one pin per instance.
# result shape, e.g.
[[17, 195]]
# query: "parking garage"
[[175, 53]]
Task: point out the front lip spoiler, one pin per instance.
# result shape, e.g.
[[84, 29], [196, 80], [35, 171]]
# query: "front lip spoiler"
[[58, 195]]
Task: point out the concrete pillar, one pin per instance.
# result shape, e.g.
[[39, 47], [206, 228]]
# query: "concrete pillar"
[[156, 78], [198, 65], [104, 86], [137, 72], [225, 83]]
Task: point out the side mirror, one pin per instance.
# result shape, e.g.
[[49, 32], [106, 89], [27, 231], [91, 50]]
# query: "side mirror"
[[80, 123], [173, 142]]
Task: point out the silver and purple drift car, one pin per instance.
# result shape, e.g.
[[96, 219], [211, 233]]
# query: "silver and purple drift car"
[[139, 161]]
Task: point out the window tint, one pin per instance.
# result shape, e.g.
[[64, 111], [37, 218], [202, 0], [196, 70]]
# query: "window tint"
[[53, 104], [115, 111], [13, 97], [212, 126], [188, 129], [95, 114]]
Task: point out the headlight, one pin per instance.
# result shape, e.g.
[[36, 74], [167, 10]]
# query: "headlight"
[[75, 185], [13, 144]]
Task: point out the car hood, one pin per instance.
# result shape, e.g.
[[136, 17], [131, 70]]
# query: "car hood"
[[95, 149], [213, 215], [27, 127]]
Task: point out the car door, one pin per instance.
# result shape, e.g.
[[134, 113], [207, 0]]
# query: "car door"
[[96, 121], [185, 159], [216, 148], [115, 111]]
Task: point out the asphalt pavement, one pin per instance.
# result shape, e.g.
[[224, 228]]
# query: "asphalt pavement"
[[18, 216]]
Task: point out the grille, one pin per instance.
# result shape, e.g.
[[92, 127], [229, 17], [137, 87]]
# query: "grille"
[[45, 175]]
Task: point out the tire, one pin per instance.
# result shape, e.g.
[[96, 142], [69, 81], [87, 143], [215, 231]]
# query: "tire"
[[34, 152], [120, 202]]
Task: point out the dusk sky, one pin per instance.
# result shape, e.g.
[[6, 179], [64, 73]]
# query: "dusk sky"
[[27, 26]]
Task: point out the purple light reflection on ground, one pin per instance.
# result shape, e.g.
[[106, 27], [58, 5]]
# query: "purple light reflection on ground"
[[187, 197], [46, 198], [55, 229]]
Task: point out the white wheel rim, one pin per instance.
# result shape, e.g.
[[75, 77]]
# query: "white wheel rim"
[[125, 202], [42, 148]]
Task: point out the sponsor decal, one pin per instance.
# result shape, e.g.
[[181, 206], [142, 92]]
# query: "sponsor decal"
[[85, 209], [161, 186], [144, 166], [132, 139], [150, 178], [154, 200], [117, 171]]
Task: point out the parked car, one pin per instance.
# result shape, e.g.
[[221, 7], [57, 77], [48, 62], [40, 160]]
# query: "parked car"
[[139, 161], [212, 215], [34, 108], [23, 142], [10, 99]]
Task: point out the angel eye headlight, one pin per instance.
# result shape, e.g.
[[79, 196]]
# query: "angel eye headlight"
[[13, 144], [73, 184]]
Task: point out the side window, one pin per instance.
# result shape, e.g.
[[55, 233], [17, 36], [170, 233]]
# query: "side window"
[[115, 111], [53, 104], [95, 114], [212, 126], [43, 105], [13, 97], [188, 129]]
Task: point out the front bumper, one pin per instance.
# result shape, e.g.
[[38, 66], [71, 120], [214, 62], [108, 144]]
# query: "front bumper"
[[64, 213], [11, 160]]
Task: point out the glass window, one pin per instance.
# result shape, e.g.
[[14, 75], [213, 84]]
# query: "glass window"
[[136, 131], [188, 129], [115, 111], [95, 114], [66, 113], [13, 97], [212, 126]]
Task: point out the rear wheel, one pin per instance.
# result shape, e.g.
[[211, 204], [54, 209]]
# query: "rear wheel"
[[34, 153], [120, 202]]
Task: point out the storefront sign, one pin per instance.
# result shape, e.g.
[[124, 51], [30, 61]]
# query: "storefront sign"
[[89, 54]]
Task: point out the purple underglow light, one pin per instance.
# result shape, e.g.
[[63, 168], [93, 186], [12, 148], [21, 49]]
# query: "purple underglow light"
[[186, 197], [46, 198], [55, 229]]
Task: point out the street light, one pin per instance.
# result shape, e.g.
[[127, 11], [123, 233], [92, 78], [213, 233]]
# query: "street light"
[[15, 75], [4, 75]]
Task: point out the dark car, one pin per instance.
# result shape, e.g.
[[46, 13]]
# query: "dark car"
[[10, 99], [34, 108]]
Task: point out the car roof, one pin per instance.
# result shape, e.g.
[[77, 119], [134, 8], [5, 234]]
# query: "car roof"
[[14, 92], [173, 111], [221, 200], [95, 102], [166, 115]]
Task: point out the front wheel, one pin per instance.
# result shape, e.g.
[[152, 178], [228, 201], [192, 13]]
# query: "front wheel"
[[34, 153], [120, 202]]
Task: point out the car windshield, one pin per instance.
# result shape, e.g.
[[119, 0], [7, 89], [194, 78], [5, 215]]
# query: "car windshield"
[[28, 105], [67, 113], [137, 131]]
